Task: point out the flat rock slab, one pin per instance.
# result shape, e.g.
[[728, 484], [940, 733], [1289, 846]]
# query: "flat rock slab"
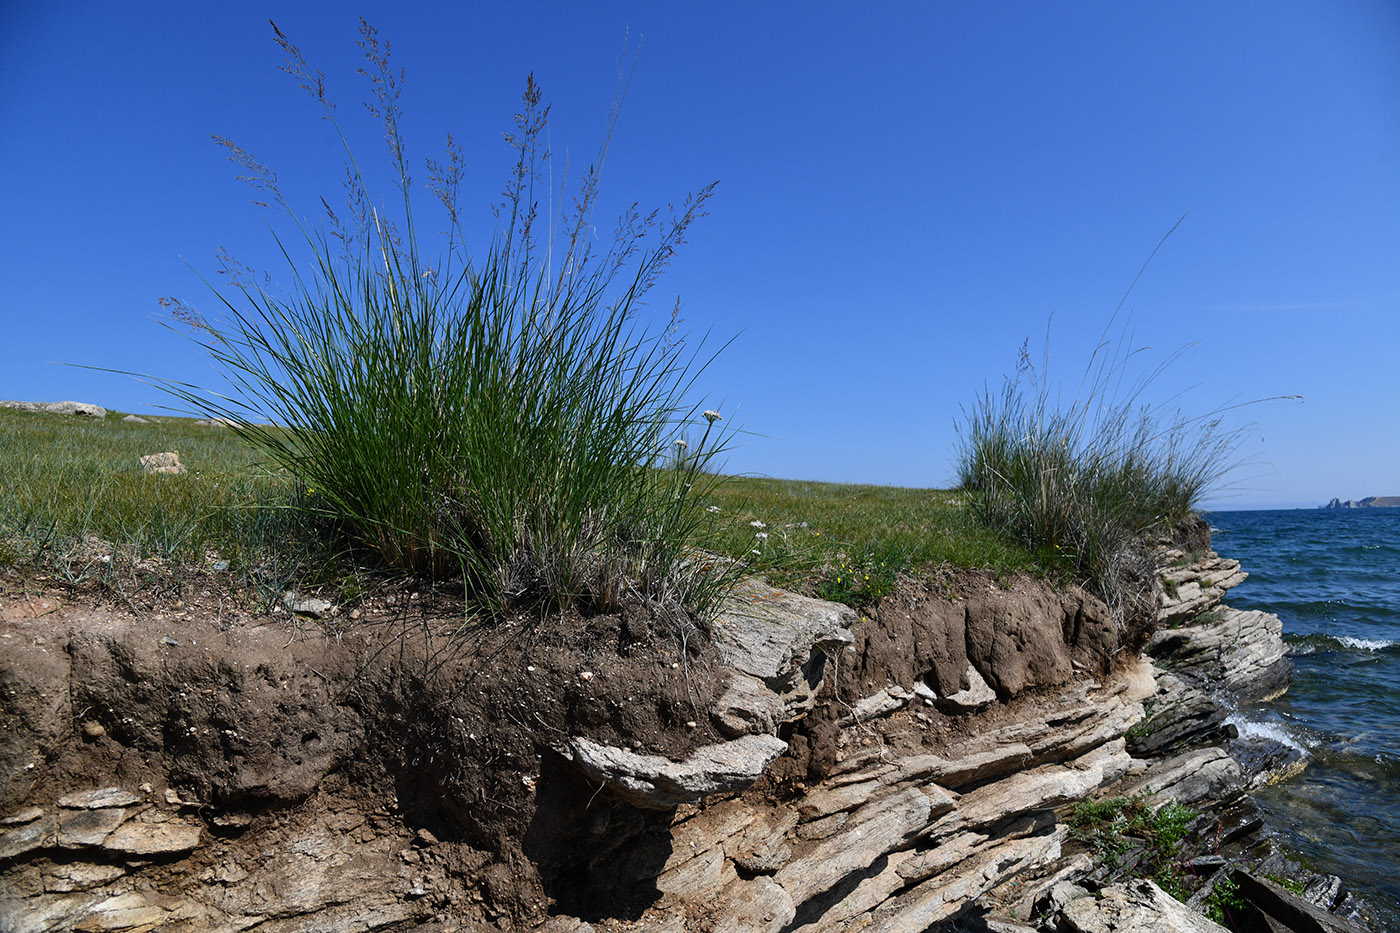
[[165, 837], [82, 828], [1137, 905], [98, 799], [1202, 774], [658, 783]]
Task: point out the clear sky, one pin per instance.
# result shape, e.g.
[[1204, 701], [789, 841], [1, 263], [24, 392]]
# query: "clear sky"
[[906, 193]]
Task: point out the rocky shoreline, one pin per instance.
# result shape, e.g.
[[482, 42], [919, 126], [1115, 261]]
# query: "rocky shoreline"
[[914, 770]]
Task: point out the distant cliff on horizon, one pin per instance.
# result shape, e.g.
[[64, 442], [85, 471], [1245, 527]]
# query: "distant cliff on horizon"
[[1370, 502]]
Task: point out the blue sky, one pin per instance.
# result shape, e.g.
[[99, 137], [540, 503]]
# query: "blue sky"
[[906, 193]]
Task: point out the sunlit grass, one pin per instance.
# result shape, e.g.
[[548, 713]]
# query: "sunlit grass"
[[68, 478]]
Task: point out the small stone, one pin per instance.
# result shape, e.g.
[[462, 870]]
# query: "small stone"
[[135, 419], [586, 675], [176, 799], [170, 642], [145, 788], [425, 838], [93, 729], [220, 566], [690, 724], [306, 606]]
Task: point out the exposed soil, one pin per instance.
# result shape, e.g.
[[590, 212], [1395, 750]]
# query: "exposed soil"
[[428, 751], [403, 719]]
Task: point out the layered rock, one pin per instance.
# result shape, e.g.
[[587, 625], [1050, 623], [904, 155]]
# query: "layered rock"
[[906, 773]]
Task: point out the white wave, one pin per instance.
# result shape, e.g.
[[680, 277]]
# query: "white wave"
[[1365, 644], [1250, 729]]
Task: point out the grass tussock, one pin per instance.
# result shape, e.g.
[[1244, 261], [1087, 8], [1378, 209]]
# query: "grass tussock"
[[500, 416], [1097, 479]]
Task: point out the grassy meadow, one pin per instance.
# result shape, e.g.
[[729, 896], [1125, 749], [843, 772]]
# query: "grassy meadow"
[[72, 490]]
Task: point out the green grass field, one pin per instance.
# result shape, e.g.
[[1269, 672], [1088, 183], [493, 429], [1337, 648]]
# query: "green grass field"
[[67, 480]]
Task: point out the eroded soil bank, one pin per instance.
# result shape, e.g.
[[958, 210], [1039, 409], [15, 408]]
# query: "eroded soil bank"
[[797, 767]]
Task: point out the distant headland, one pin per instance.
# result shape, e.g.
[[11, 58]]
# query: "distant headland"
[[1370, 502]]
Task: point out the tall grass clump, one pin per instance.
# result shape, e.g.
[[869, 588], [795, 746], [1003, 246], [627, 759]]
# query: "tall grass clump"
[[502, 416], [1095, 480]]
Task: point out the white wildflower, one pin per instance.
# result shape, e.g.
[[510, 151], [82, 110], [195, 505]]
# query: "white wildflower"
[[757, 524], [681, 445], [712, 416], [762, 536], [712, 508]]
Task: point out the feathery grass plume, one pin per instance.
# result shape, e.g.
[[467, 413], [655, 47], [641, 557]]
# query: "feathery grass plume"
[[502, 416], [1096, 479]]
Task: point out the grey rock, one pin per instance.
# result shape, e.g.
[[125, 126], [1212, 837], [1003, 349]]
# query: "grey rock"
[[1136, 905], [136, 419], [782, 639], [1182, 716], [86, 409], [1058, 896], [167, 462], [1194, 776], [1197, 587], [760, 904], [872, 831], [80, 876], [878, 704], [124, 912], [98, 799], [312, 606], [1324, 891], [653, 782], [1294, 912], [79, 829], [747, 707], [38, 834], [1241, 652], [157, 835], [1267, 760], [977, 694], [944, 895]]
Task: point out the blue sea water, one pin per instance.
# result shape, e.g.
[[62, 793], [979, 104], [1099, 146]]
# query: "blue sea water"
[[1333, 577]]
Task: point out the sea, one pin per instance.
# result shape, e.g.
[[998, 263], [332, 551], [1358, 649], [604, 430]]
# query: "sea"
[[1333, 577]]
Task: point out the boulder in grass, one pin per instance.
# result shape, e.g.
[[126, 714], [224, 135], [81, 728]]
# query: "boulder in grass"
[[86, 409], [168, 462], [135, 419]]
